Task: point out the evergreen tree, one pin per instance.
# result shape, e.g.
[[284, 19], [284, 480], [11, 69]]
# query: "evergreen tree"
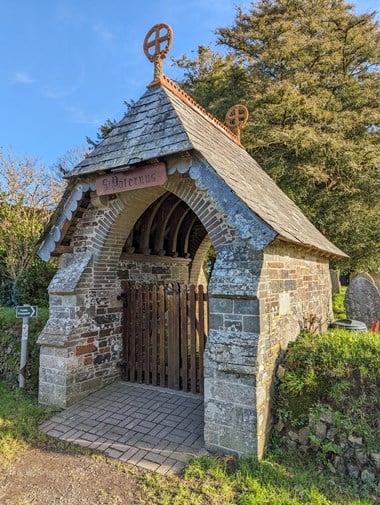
[[308, 72]]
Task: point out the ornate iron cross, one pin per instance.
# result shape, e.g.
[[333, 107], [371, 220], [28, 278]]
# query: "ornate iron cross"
[[153, 40], [236, 118]]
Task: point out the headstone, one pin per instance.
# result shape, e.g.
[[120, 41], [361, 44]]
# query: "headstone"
[[362, 301], [335, 282], [376, 278], [366, 275]]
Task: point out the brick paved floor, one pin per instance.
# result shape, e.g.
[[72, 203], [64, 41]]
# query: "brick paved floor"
[[154, 428]]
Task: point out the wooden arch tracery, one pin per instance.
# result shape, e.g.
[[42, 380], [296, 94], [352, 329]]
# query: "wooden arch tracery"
[[168, 227]]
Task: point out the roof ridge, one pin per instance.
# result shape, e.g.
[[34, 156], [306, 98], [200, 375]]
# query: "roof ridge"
[[169, 84]]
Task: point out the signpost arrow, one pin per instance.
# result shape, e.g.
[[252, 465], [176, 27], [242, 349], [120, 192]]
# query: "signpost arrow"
[[26, 311]]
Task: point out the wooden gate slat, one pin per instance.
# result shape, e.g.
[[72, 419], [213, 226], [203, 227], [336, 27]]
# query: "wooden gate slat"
[[125, 333], [161, 293], [146, 345], [192, 337], [132, 312], [139, 331], [165, 334], [173, 341], [154, 335], [201, 336], [184, 336], [176, 354]]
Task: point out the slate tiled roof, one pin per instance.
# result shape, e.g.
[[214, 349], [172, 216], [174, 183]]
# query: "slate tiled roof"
[[149, 130], [166, 121]]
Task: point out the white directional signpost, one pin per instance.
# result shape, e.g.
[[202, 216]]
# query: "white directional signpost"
[[24, 312]]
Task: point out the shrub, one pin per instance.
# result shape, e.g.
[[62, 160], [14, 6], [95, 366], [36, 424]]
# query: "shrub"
[[30, 287], [10, 345], [338, 370]]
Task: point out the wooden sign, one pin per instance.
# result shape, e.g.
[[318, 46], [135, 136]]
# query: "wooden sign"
[[142, 177]]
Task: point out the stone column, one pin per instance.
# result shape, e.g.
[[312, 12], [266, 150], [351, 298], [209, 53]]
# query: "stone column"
[[67, 319], [231, 352]]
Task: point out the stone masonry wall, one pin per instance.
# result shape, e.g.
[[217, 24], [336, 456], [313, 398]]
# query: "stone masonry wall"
[[294, 295], [231, 351], [80, 345], [347, 454], [153, 269], [257, 304]]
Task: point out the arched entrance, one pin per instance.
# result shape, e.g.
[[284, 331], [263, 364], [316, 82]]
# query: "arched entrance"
[[110, 244], [165, 318]]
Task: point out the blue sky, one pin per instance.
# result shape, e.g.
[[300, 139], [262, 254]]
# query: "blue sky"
[[68, 65]]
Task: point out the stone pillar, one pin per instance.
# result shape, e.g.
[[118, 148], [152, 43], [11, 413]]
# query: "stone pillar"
[[78, 349], [56, 356], [231, 352]]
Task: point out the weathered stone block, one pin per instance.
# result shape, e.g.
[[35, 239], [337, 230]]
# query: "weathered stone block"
[[221, 305], [362, 301], [85, 349], [303, 435], [251, 324], [233, 323], [53, 377], [246, 306], [232, 393], [91, 385], [52, 395], [216, 321], [367, 476], [320, 430], [241, 442]]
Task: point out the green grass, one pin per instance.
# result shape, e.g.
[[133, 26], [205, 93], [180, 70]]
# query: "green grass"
[[10, 344], [275, 481], [338, 304], [19, 419], [336, 371], [281, 479]]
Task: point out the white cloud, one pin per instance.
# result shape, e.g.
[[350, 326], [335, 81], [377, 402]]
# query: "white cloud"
[[23, 78], [56, 90], [103, 33], [58, 93], [80, 117]]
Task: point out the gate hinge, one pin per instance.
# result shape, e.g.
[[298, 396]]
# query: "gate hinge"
[[124, 298]]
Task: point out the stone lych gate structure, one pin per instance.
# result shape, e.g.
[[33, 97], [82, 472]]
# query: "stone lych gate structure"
[[144, 207]]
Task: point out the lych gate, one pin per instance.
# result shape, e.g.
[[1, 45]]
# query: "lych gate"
[[133, 230], [164, 335]]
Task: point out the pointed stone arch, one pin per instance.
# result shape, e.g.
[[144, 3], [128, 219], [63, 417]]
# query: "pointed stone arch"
[[87, 357]]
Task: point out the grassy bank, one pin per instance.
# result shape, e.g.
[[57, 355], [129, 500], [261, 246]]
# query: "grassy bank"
[[19, 419], [279, 480], [10, 344]]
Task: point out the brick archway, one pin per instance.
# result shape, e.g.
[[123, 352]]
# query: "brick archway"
[[86, 348]]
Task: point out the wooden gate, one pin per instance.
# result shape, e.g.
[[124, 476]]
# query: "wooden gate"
[[164, 333]]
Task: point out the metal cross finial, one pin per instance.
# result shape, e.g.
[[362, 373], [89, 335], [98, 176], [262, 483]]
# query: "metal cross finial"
[[154, 39], [236, 118]]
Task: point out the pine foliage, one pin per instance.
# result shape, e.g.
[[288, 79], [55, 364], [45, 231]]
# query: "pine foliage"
[[308, 72]]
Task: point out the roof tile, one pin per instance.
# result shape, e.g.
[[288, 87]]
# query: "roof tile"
[[164, 122]]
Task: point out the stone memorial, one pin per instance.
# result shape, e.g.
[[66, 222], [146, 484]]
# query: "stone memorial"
[[365, 275], [362, 301], [335, 282], [376, 279]]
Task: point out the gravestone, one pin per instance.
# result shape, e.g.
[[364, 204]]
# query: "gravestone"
[[376, 278], [366, 275], [362, 301], [335, 282]]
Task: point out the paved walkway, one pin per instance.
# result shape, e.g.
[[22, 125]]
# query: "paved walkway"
[[150, 427]]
